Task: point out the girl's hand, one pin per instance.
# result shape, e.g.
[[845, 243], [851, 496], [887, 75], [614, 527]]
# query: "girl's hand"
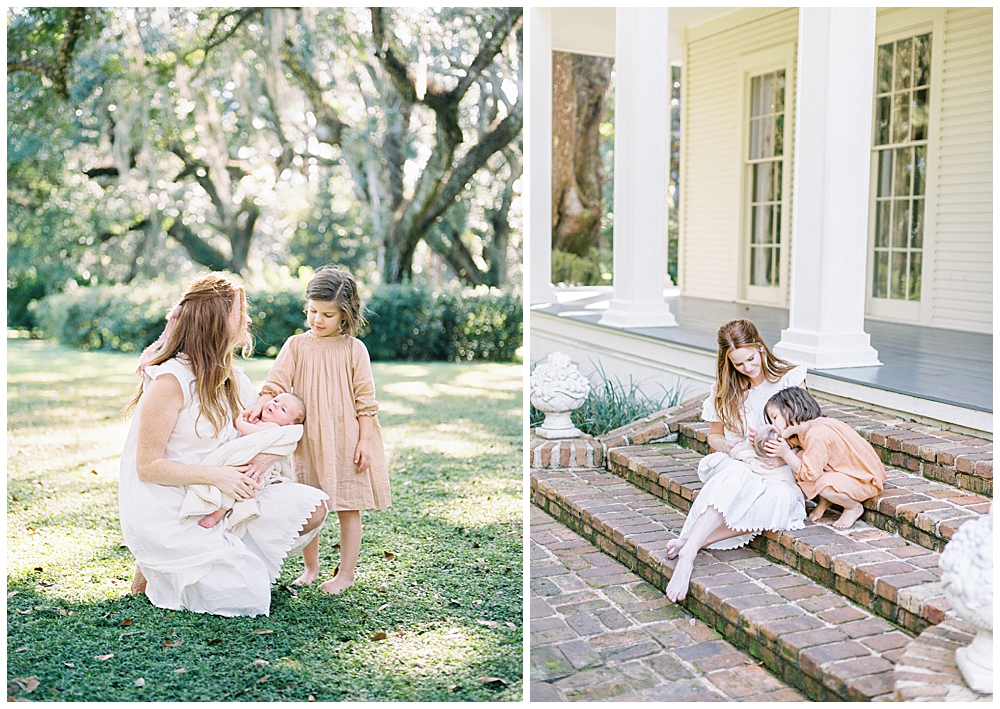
[[362, 455], [260, 464], [252, 415], [234, 481], [777, 448]]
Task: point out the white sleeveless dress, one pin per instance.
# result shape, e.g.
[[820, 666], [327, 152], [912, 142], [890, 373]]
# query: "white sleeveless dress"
[[749, 498], [187, 566]]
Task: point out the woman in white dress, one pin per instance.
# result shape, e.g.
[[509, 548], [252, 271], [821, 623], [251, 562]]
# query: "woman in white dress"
[[184, 408], [736, 503]]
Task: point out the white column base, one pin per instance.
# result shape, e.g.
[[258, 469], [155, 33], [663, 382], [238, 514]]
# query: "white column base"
[[541, 293], [624, 313], [817, 350]]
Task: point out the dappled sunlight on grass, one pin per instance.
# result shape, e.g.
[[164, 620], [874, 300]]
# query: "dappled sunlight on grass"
[[440, 571]]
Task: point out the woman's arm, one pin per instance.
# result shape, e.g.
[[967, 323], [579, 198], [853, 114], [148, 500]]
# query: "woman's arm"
[[717, 437], [164, 401]]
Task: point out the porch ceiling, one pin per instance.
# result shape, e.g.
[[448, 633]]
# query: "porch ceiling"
[[591, 30], [947, 366]]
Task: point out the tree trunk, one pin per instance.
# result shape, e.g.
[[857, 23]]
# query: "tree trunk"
[[579, 89]]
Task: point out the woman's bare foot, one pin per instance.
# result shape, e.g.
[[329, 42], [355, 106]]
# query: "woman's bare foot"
[[307, 577], [209, 521], [850, 516], [679, 582], [338, 584], [817, 514], [138, 581], [674, 547]]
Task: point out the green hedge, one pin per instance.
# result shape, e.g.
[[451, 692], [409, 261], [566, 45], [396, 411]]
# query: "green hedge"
[[405, 322]]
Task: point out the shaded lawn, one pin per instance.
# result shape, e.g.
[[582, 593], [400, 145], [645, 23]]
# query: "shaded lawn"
[[439, 574]]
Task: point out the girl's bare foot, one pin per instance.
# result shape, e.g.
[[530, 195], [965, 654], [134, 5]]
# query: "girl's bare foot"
[[307, 577], [138, 581], [338, 584], [850, 516], [209, 521], [674, 547], [679, 582], [817, 514]]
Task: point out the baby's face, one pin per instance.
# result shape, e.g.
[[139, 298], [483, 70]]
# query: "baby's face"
[[282, 410]]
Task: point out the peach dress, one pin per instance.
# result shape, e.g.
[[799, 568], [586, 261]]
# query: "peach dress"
[[835, 455], [333, 375]]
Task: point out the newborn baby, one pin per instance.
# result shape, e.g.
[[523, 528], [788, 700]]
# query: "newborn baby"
[[757, 458]]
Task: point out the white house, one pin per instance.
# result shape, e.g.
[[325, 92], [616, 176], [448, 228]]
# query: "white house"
[[836, 186]]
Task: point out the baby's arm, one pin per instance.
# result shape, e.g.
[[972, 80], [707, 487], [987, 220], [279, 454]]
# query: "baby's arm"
[[251, 416], [246, 428]]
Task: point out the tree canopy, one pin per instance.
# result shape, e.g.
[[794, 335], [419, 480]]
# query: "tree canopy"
[[150, 141]]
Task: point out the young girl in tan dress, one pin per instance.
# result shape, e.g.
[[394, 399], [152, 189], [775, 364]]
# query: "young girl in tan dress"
[[341, 450], [837, 464]]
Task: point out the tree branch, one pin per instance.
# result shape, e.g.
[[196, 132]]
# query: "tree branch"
[[65, 56], [398, 72], [198, 249], [487, 50], [325, 115], [211, 42]]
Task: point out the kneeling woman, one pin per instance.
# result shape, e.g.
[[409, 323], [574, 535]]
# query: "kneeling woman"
[[733, 506], [184, 408]]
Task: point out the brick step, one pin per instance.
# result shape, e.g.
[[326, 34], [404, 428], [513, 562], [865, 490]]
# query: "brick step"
[[955, 459], [927, 670], [583, 452], [891, 576], [808, 635]]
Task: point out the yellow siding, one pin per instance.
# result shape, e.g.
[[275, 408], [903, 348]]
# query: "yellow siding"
[[711, 176], [963, 239]]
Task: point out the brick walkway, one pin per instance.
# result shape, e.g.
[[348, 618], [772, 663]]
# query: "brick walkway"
[[599, 632]]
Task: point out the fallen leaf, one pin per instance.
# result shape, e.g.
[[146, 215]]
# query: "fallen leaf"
[[173, 634], [125, 623], [13, 498], [692, 622], [508, 570], [478, 602], [382, 607], [456, 602], [140, 682], [510, 625], [392, 576], [108, 615], [93, 472], [311, 698], [389, 556], [11, 594], [70, 665], [180, 670], [45, 583], [261, 663], [263, 632], [490, 623], [22, 648], [337, 547], [452, 688], [492, 680], [25, 612], [379, 636], [39, 568], [475, 545], [102, 658], [292, 590], [265, 678], [174, 643], [214, 641], [28, 684]]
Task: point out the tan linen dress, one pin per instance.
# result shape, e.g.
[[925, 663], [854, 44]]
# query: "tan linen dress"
[[333, 375], [833, 454]]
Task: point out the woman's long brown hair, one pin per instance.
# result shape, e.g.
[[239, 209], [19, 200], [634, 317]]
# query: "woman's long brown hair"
[[731, 385], [202, 336]]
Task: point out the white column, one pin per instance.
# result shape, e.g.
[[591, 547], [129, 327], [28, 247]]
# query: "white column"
[[642, 160], [829, 244], [538, 154]]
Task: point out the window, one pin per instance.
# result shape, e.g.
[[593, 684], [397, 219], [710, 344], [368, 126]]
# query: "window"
[[764, 163], [902, 94]]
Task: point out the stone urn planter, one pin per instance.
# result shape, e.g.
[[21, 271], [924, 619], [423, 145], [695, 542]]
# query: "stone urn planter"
[[558, 388], [967, 563]]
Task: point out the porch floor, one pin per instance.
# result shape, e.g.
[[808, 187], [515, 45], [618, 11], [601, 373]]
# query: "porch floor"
[[948, 366]]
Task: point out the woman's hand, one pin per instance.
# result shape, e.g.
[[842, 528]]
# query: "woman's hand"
[[362, 455], [260, 464], [234, 481]]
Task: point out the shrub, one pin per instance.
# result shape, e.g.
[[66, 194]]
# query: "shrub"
[[611, 404], [405, 322], [589, 270]]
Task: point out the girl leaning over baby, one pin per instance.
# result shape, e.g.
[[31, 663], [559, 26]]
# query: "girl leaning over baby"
[[834, 464]]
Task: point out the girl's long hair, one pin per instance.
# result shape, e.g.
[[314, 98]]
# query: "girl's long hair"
[[201, 334], [731, 385]]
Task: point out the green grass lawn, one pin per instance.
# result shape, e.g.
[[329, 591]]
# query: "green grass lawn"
[[435, 614]]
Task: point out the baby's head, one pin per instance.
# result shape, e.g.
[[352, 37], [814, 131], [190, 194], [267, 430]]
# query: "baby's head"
[[761, 436], [284, 410], [791, 406]]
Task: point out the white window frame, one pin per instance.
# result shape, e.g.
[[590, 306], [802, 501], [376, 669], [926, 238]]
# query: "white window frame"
[[777, 58], [891, 26]]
